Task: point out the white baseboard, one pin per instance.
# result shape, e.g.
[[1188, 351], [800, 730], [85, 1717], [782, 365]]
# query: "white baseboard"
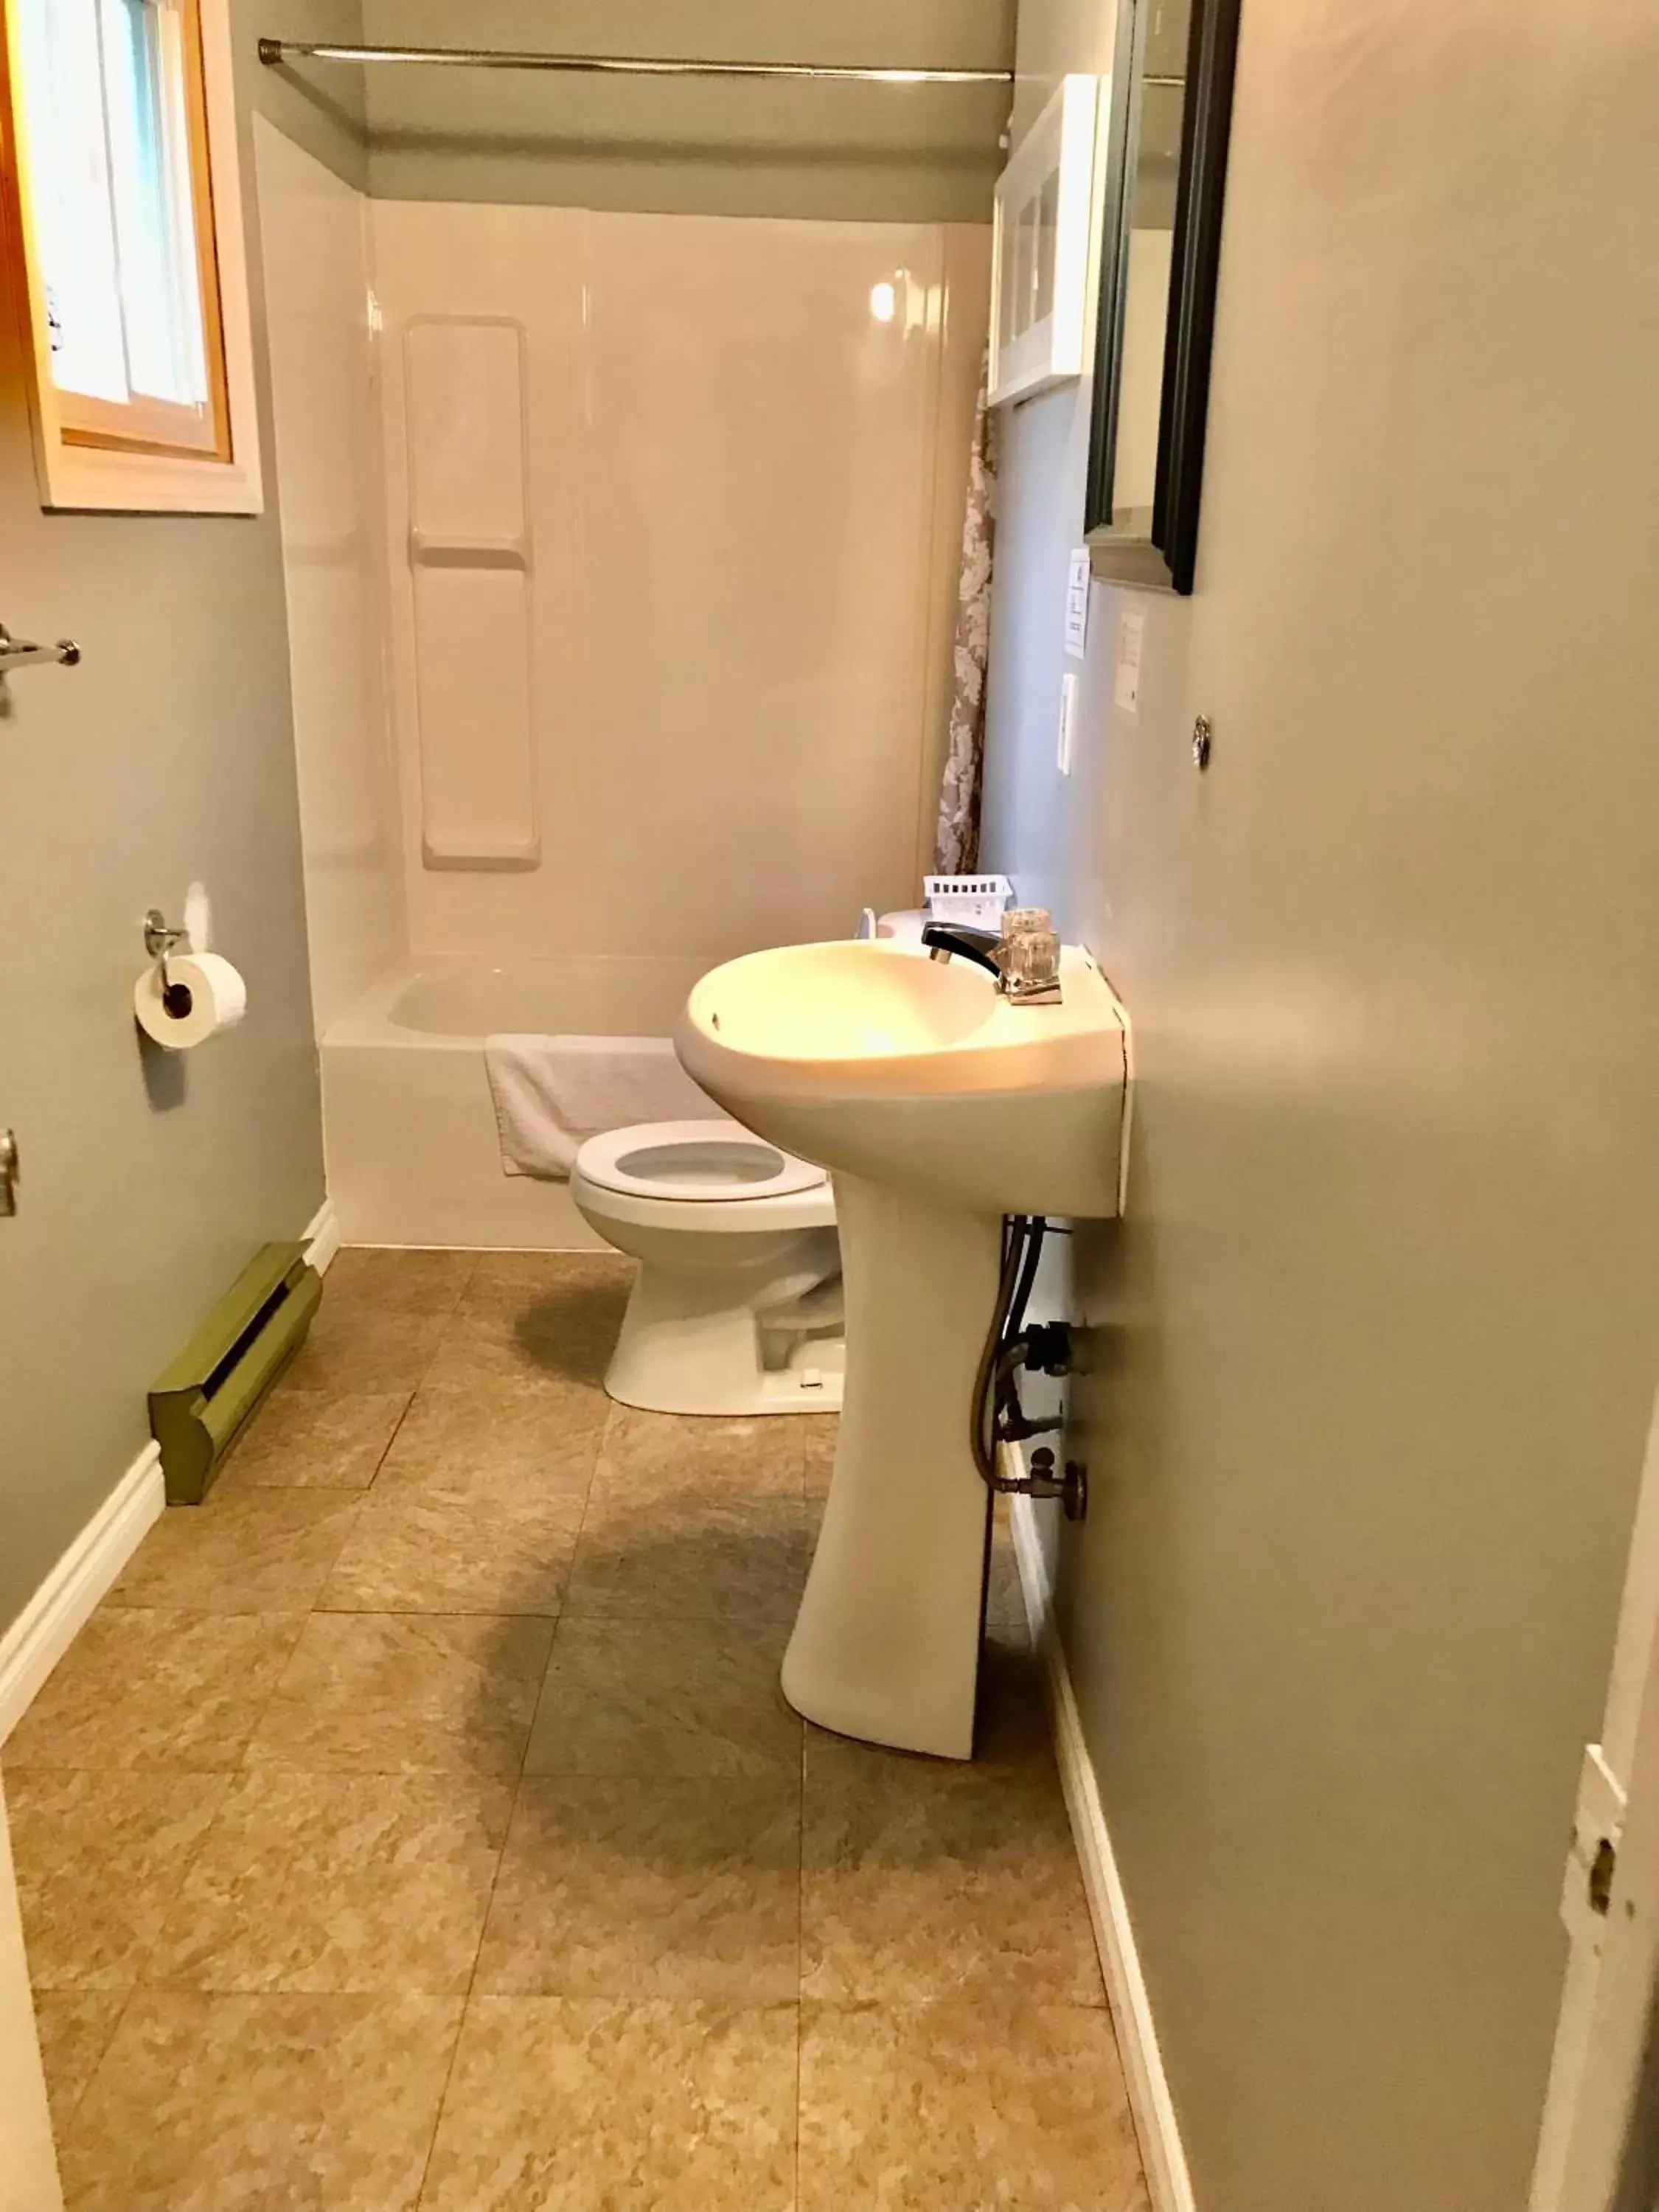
[[322, 1237], [1167, 2181], [55, 1615]]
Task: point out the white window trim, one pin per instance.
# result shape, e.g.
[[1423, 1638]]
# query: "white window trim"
[[103, 480]]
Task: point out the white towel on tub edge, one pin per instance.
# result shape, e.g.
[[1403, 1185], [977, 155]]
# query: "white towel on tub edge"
[[552, 1093]]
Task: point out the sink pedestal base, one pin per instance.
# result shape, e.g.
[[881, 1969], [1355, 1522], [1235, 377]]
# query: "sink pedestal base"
[[886, 1645]]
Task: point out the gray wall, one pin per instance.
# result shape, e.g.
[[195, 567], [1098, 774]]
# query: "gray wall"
[[167, 755], [1373, 1354], [322, 107], [825, 150]]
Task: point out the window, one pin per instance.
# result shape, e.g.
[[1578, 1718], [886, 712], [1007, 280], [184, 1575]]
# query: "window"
[[116, 118], [122, 155]]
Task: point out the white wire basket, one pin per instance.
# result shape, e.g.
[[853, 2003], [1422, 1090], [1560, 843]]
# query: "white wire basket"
[[978, 900]]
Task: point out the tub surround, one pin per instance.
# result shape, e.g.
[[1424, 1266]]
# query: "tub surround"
[[569, 680], [669, 604], [578, 608], [315, 228], [408, 1126]]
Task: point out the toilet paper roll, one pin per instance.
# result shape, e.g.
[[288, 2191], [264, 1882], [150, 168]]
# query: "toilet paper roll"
[[204, 995]]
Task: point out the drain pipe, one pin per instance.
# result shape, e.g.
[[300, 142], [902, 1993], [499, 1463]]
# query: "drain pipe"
[[997, 1416]]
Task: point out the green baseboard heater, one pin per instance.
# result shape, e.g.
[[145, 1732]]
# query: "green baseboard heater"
[[196, 1407]]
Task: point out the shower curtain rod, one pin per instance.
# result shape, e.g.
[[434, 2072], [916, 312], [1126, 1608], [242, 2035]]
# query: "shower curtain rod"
[[275, 52]]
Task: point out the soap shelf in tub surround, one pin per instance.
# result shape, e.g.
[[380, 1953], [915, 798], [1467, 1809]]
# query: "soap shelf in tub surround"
[[469, 566]]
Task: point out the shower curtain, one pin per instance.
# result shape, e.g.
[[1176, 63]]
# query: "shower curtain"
[[958, 844]]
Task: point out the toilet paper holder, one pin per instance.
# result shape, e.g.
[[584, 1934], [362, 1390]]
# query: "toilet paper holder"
[[186, 995], [159, 939]]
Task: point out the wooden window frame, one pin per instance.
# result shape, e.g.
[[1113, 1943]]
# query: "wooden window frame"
[[149, 456], [145, 425]]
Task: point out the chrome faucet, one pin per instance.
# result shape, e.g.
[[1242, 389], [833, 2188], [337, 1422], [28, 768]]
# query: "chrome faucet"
[[1024, 956]]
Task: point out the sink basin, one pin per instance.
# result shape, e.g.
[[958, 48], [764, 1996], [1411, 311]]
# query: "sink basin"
[[814, 1013], [939, 1107], [871, 1058]]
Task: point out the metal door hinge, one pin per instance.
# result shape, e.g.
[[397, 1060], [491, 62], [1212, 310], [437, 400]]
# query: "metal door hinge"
[[10, 1172]]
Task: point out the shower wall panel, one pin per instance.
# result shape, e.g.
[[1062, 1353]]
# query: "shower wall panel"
[[315, 239], [717, 476]]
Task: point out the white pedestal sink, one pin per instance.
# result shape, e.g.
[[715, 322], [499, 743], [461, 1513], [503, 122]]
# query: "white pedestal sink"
[[938, 1106]]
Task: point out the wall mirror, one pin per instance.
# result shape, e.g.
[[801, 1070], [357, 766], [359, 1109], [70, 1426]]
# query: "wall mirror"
[[1171, 106]]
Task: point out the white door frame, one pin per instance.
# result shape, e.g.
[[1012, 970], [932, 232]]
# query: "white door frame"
[[28, 2163], [1610, 1905]]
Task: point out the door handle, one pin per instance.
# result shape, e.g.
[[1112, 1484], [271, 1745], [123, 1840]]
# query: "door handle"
[[10, 1172]]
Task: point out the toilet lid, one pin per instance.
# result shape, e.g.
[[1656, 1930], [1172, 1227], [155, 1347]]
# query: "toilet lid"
[[693, 1160]]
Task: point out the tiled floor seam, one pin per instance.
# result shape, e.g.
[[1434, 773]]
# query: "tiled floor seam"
[[141, 1975], [140, 1982], [127, 1997], [472, 1979], [587, 1500], [397, 1430], [63, 2121], [387, 1612], [243, 1763], [506, 1825]]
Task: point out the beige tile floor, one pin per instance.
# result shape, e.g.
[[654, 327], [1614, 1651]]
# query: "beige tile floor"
[[419, 1823]]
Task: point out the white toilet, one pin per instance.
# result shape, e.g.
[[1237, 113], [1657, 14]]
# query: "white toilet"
[[737, 1307]]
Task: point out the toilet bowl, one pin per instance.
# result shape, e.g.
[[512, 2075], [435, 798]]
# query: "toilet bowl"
[[737, 1306]]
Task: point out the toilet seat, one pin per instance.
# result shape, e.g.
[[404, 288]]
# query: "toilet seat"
[[695, 1164]]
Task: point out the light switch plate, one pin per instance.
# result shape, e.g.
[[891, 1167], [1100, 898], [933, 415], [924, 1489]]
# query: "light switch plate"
[[1076, 603], [1068, 720], [1125, 691]]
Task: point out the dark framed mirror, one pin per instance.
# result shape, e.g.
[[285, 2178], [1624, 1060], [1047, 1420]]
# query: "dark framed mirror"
[[1171, 112]]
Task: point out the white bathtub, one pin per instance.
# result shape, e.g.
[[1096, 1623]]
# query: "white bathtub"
[[408, 1126]]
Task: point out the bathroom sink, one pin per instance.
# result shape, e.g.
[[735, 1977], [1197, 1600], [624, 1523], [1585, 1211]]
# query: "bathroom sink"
[[877, 1061], [818, 1011], [939, 1106]]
